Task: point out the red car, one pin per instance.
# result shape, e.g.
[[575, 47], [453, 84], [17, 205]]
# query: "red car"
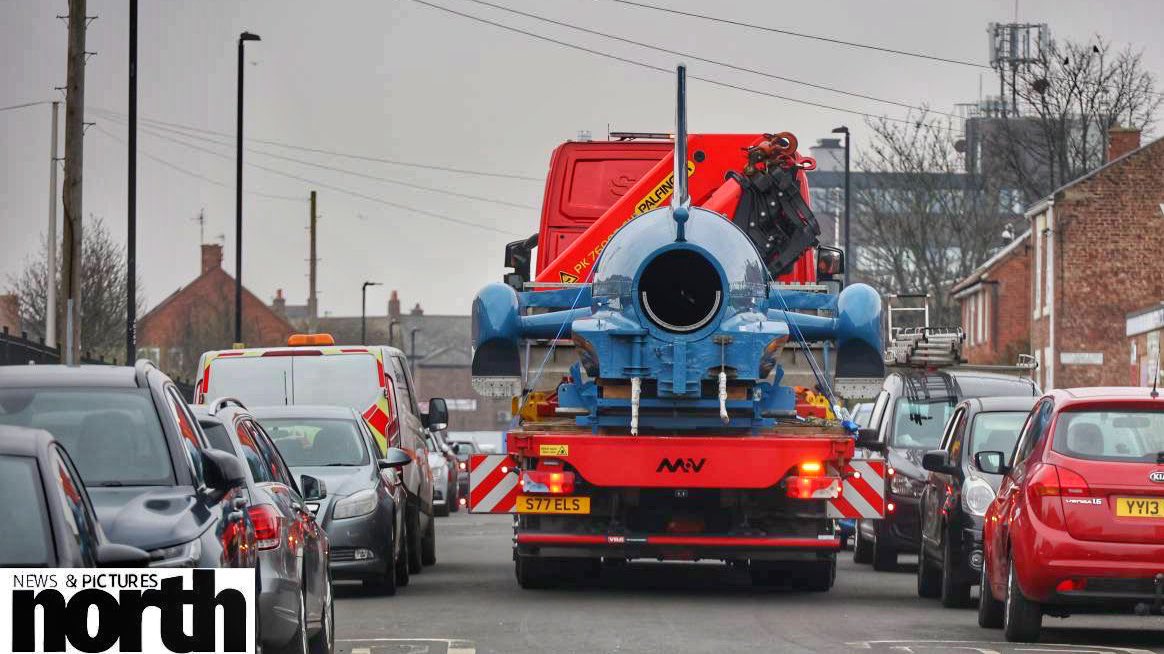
[[1078, 523]]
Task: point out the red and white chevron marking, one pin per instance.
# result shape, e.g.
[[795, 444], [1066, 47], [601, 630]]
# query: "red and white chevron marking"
[[494, 483], [862, 491]]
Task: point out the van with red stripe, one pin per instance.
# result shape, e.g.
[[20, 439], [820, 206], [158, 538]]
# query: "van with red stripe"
[[373, 379]]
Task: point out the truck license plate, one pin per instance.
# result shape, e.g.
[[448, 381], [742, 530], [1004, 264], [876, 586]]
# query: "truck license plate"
[[534, 504], [1140, 507]]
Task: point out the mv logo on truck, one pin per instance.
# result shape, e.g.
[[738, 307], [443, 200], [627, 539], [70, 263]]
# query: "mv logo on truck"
[[680, 465]]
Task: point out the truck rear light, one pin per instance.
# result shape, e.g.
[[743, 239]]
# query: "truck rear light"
[[808, 488], [267, 526], [553, 483], [811, 469]]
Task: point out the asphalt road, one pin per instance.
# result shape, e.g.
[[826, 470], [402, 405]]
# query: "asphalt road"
[[470, 603]]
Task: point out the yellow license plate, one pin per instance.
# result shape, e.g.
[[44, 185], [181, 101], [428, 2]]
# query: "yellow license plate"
[[535, 504], [1140, 507]]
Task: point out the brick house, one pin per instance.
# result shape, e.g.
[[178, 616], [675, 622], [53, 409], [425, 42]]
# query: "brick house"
[[1097, 248], [200, 317], [995, 301], [440, 349]]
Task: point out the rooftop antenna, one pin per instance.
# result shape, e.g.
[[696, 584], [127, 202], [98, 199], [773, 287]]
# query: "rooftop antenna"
[[680, 200]]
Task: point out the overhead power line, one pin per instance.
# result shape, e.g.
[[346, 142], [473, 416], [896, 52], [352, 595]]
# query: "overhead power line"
[[667, 71], [173, 166], [338, 189], [347, 155], [802, 35], [23, 105], [354, 173], [688, 55]]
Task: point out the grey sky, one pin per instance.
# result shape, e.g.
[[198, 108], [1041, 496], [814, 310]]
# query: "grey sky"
[[395, 79]]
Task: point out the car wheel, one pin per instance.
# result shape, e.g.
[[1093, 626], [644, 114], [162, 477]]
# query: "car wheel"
[[1023, 619], [862, 549], [400, 562], [884, 554], [955, 592], [929, 580], [441, 511], [298, 642], [428, 545], [323, 642], [415, 565], [989, 609]]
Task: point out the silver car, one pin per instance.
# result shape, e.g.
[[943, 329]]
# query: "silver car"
[[296, 608], [364, 512]]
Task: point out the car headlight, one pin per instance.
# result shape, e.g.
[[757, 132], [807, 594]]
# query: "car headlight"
[[977, 495], [185, 555], [356, 504], [904, 486]]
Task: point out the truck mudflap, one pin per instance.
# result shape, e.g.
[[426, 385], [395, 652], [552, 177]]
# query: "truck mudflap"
[[857, 491]]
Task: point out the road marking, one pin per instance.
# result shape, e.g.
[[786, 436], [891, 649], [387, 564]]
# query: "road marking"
[[981, 646], [452, 645]]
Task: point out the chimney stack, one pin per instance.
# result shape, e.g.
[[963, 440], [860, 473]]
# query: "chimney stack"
[[1121, 140], [416, 310], [394, 306], [211, 257], [279, 304]]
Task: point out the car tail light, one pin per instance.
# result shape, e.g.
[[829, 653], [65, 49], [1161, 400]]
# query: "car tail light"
[[541, 481], [463, 465], [1046, 485], [1069, 585], [267, 526]]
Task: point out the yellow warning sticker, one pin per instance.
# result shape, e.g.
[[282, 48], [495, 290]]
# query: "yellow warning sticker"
[[554, 450], [566, 277], [658, 195]]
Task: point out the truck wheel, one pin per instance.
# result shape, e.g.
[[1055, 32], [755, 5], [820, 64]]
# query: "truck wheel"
[[415, 544], [815, 577], [884, 554], [955, 592], [929, 581], [862, 549], [989, 609], [428, 545], [1023, 619], [532, 572]]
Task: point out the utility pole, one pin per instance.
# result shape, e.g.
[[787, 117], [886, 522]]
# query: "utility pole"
[[238, 193], [131, 206], [849, 259], [312, 300], [50, 306], [74, 158]]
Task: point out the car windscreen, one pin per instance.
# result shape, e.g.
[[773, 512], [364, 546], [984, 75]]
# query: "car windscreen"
[[351, 380], [317, 442], [25, 540], [1117, 435], [114, 435], [996, 431], [254, 380], [918, 423]]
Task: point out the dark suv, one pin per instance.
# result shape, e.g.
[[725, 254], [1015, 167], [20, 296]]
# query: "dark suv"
[[909, 417], [958, 493], [153, 479]]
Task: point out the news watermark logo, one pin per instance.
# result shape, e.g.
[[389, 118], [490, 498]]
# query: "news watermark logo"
[[127, 610]]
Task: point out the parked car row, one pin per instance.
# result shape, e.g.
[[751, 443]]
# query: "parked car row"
[[1052, 504]]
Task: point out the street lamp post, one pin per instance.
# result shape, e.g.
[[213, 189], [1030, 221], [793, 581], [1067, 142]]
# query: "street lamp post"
[[364, 311], [848, 253], [238, 193]]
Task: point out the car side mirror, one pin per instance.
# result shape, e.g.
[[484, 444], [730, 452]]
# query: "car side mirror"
[[937, 461], [993, 463], [437, 417], [455, 447], [313, 489], [115, 555], [830, 262], [396, 458], [870, 439], [222, 471]]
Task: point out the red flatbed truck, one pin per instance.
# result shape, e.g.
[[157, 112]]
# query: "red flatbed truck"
[[585, 493]]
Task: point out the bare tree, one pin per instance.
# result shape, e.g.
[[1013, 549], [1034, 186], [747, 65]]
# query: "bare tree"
[[103, 286], [1067, 101], [921, 222]]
